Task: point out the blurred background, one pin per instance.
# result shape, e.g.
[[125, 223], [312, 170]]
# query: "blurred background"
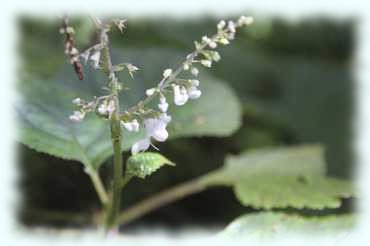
[[294, 83]]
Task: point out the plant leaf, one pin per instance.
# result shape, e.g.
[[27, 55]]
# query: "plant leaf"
[[269, 224], [144, 164], [45, 106], [281, 178]]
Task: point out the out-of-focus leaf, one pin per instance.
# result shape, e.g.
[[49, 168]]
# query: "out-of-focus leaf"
[[270, 224], [144, 164], [282, 177], [45, 106]]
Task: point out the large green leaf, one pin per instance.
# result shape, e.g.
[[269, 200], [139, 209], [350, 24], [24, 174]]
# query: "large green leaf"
[[270, 224], [44, 108], [282, 177]]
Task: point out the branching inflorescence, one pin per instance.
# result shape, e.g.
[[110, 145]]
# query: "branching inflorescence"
[[154, 120]]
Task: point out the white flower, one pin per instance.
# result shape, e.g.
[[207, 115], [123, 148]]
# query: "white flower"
[[150, 91], [212, 44], [95, 59], [186, 66], [243, 20], [194, 92], [194, 71], [195, 82], [131, 69], [140, 145], [231, 26], [167, 73], [132, 126], [216, 56], [206, 63], [180, 95], [77, 101], [221, 25], [77, 116], [154, 128], [102, 109], [121, 24], [163, 105]]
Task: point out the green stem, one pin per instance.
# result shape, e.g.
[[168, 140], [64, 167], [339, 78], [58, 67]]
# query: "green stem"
[[116, 136], [99, 188], [165, 197]]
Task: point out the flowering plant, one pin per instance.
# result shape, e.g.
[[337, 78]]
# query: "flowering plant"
[[153, 120]]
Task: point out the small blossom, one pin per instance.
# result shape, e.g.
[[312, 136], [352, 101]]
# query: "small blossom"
[[216, 56], [103, 109], [77, 116], [150, 91], [77, 101], [132, 126], [167, 73], [206, 63], [212, 44], [131, 69], [194, 82], [163, 105], [194, 92], [180, 95], [121, 24], [140, 146], [95, 59], [194, 71], [231, 26], [186, 66], [243, 20], [154, 128], [221, 25], [70, 30]]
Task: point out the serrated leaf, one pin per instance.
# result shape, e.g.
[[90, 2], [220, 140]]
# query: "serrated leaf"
[[269, 224], [281, 178], [144, 164], [45, 106]]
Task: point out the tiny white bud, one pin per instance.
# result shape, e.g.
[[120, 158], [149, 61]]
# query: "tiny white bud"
[[77, 101], [195, 82], [186, 66], [62, 30], [167, 73], [231, 26], [77, 116], [206, 63], [216, 56], [150, 91], [221, 25], [212, 45], [194, 71], [243, 20]]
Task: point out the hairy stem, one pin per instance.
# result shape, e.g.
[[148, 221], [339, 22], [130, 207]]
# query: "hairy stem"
[[163, 198], [116, 135]]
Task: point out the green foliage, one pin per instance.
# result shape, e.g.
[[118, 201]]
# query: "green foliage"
[[45, 106], [144, 164], [281, 178], [269, 224]]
